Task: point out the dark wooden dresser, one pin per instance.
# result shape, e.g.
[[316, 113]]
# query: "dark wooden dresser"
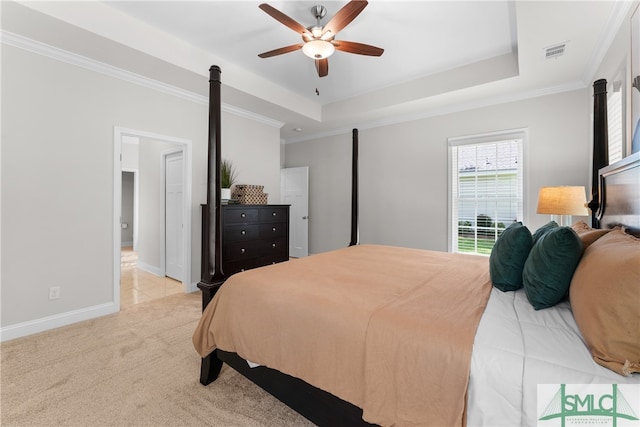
[[254, 236]]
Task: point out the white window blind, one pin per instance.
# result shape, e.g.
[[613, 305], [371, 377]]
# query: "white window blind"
[[614, 123], [486, 183]]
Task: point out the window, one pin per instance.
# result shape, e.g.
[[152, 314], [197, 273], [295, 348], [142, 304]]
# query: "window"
[[614, 119], [486, 182]]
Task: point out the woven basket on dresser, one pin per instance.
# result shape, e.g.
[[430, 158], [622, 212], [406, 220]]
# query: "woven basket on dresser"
[[250, 194]]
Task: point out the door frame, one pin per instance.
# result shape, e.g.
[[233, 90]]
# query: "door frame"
[[187, 147], [163, 204]]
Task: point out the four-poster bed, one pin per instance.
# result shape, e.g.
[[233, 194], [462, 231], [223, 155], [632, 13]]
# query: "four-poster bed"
[[364, 337]]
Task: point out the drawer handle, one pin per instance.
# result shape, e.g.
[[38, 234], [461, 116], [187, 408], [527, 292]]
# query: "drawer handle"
[[243, 215], [243, 232], [273, 245], [273, 229], [242, 250], [274, 213]]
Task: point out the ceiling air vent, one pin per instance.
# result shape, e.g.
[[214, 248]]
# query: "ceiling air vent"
[[555, 51]]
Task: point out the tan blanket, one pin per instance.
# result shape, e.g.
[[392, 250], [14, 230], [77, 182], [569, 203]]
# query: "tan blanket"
[[388, 329]]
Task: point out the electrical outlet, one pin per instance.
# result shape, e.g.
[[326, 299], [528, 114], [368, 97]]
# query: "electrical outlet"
[[54, 292]]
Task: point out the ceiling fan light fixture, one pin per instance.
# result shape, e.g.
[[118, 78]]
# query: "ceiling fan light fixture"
[[318, 41], [316, 31], [318, 49]]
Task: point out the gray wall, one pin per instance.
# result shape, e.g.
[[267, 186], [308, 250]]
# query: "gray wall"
[[57, 177], [404, 167], [126, 236], [57, 180]]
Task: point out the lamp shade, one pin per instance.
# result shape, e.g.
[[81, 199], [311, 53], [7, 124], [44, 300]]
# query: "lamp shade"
[[566, 200]]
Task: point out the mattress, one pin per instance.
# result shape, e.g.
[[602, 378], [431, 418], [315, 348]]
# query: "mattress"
[[515, 349]]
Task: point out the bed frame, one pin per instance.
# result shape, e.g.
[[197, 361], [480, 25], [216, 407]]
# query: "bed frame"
[[615, 201], [320, 407], [619, 192]]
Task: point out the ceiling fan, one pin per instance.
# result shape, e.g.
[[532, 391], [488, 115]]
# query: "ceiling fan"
[[319, 42]]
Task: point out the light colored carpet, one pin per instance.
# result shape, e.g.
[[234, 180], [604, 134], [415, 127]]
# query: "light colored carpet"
[[134, 368]]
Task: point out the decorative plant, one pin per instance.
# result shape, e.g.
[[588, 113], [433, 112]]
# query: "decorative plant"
[[228, 173]]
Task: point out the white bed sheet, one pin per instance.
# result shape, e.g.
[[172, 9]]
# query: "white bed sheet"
[[515, 349]]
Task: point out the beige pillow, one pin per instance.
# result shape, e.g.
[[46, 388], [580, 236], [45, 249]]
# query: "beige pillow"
[[605, 298], [587, 234]]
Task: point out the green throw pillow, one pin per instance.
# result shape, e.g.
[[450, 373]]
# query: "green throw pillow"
[[508, 256], [544, 230], [549, 268]]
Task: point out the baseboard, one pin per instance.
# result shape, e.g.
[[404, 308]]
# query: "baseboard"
[[150, 269], [126, 244], [51, 322], [193, 287]]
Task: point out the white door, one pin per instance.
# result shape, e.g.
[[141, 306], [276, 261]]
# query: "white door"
[[294, 191], [173, 215]]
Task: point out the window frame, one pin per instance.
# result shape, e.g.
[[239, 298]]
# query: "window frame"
[[476, 139]]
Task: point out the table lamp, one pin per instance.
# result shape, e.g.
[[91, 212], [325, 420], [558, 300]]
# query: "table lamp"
[[562, 202]]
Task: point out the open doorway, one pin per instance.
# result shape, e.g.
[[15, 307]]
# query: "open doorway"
[[141, 268]]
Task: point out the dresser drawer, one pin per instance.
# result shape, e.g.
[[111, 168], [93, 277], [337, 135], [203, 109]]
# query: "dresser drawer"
[[253, 236], [272, 259], [274, 214], [277, 256], [273, 229], [277, 246], [233, 267], [237, 251], [239, 215], [241, 232]]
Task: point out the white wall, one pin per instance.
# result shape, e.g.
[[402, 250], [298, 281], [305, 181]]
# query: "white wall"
[[57, 180], [403, 170]]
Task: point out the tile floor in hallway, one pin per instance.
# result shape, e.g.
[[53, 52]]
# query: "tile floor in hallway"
[[138, 286]]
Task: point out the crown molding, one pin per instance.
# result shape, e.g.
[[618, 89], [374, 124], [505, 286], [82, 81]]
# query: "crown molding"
[[250, 115], [457, 108], [15, 40], [615, 20]]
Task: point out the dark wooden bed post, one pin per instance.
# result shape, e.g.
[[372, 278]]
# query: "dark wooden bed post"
[[600, 146], [211, 271], [212, 276], [354, 189]]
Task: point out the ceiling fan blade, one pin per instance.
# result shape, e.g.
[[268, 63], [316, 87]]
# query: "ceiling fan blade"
[[358, 48], [284, 19], [281, 50], [322, 66], [344, 16]]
